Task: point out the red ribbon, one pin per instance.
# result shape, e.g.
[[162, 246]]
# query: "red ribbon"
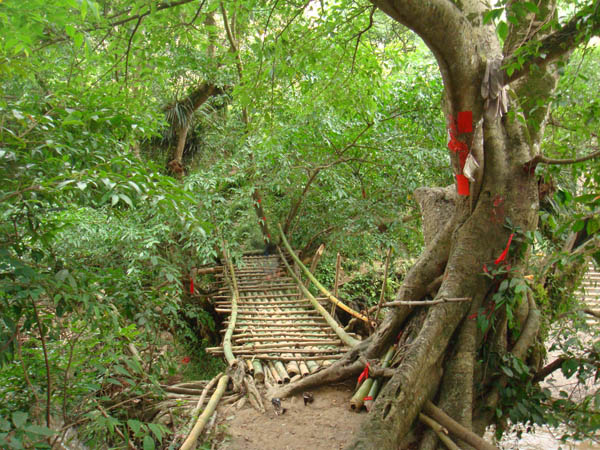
[[457, 146], [367, 398], [462, 184], [191, 285], [502, 256], [364, 374], [258, 200]]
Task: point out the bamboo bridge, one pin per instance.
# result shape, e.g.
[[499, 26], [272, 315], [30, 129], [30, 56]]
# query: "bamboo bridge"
[[277, 331], [281, 332]]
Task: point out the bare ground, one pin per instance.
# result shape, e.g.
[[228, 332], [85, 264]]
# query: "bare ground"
[[327, 423]]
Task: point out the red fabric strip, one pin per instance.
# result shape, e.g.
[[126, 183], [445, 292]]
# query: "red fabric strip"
[[462, 184], [367, 398], [465, 122], [364, 374], [502, 256], [191, 285]]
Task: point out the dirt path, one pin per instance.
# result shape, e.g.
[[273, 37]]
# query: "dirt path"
[[327, 423]]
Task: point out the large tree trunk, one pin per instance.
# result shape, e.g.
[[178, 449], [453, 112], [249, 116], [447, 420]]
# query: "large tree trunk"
[[475, 236], [439, 362]]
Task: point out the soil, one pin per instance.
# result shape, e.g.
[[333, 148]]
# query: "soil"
[[327, 423]]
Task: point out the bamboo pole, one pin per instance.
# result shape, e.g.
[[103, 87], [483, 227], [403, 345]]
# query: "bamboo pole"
[[316, 282], [378, 381], [279, 350], [190, 441], [274, 373], [383, 285], [357, 401], [336, 284], [346, 339], [234, 296], [328, 334], [440, 431], [456, 428], [279, 367]]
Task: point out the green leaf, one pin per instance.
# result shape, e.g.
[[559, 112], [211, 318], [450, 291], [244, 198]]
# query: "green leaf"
[[70, 30], [592, 226], [121, 370], [84, 7], [40, 430], [531, 7], [4, 424], [148, 443], [114, 199], [155, 428], [78, 40], [19, 418], [502, 30], [507, 371], [126, 199], [135, 425], [578, 226]]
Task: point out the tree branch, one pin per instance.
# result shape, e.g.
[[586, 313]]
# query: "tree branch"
[[556, 44], [159, 7], [537, 159], [548, 369], [359, 35], [129, 47]]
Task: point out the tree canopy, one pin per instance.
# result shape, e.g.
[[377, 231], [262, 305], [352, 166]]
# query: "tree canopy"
[[136, 136]]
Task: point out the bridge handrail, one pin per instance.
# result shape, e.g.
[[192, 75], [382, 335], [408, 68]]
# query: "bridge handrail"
[[319, 286]]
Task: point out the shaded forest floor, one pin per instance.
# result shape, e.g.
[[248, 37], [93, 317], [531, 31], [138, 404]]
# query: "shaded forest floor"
[[327, 423]]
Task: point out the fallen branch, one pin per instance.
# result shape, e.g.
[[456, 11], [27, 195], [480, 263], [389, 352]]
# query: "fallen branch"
[[592, 312]]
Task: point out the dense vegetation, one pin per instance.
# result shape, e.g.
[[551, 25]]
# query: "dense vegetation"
[[134, 135]]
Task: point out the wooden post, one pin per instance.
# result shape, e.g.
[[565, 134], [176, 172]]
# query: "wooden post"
[[317, 257]]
